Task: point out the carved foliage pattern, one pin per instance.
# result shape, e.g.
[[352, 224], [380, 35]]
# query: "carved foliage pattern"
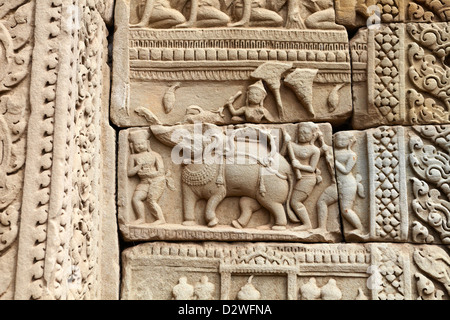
[[387, 72], [391, 269], [16, 44], [429, 73], [432, 187], [86, 220], [387, 183], [429, 10]]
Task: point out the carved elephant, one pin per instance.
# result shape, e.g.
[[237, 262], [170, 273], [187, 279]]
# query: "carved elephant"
[[258, 184]]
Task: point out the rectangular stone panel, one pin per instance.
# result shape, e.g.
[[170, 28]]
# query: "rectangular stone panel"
[[285, 271], [400, 74], [58, 232], [230, 183], [284, 61], [362, 13], [393, 183]]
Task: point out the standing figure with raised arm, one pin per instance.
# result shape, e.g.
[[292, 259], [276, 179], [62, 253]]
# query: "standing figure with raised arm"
[[305, 156]]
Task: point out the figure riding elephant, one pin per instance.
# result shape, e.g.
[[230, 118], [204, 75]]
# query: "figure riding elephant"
[[264, 182]]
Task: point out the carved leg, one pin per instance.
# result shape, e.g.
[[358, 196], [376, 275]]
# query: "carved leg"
[[166, 18], [326, 199], [348, 196], [139, 206], [261, 17], [299, 208], [189, 202], [156, 190], [248, 206], [278, 212], [211, 17], [211, 206], [323, 19], [157, 212]]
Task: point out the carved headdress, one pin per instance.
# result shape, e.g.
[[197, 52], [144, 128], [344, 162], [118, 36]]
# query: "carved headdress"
[[259, 85], [140, 134], [136, 135]]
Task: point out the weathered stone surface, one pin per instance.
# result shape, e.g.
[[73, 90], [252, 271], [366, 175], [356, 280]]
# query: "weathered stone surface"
[[284, 61], [285, 271], [400, 75], [57, 158], [205, 182], [362, 13], [403, 173]]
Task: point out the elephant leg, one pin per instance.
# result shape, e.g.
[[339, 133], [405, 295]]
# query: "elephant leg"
[[211, 206], [189, 202], [278, 212], [248, 206]]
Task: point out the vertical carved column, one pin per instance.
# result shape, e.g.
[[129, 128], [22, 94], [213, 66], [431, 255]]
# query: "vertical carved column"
[[388, 208], [61, 245], [16, 46]]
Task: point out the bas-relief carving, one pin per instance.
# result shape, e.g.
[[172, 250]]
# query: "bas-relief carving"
[[273, 271], [361, 13], [404, 170], [53, 86], [173, 64], [16, 45], [244, 182], [406, 80]]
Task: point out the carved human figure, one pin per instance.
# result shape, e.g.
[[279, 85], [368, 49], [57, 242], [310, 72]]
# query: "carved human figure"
[[149, 167], [348, 186], [253, 110], [255, 13], [183, 290], [204, 289], [330, 195], [305, 157], [158, 14], [323, 16]]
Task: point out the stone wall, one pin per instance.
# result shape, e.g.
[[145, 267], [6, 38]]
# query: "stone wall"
[[224, 150]]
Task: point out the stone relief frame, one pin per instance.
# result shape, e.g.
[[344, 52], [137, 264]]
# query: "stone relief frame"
[[309, 79], [245, 215]]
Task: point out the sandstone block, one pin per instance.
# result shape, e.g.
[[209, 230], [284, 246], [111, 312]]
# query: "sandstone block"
[[392, 183], [285, 271], [233, 183], [400, 75], [279, 62]]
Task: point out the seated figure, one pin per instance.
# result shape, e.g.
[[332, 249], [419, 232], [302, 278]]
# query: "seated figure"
[[161, 14], [158, 14], [254, 13]]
